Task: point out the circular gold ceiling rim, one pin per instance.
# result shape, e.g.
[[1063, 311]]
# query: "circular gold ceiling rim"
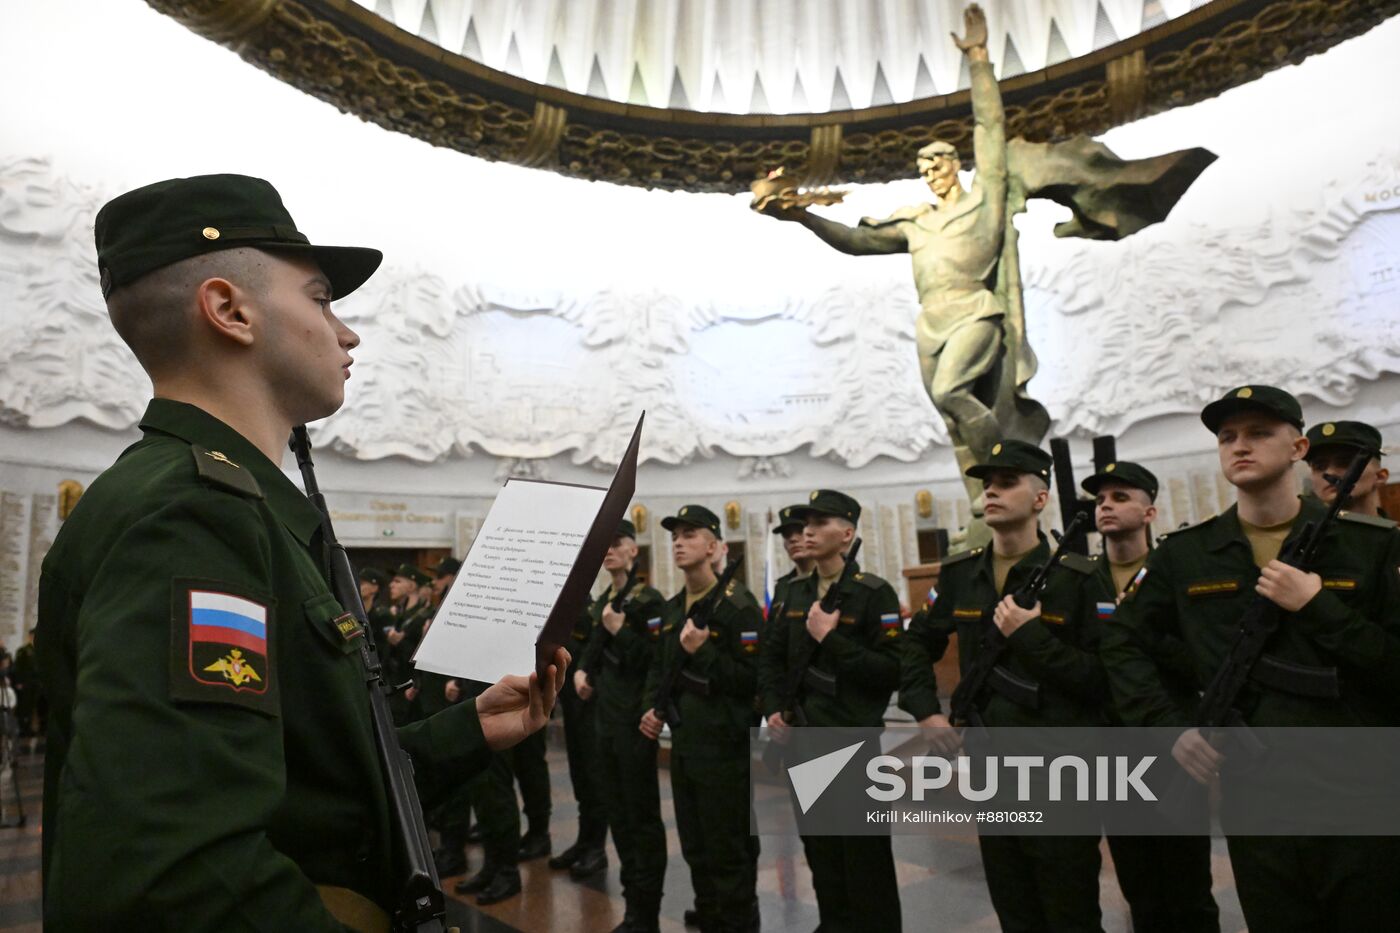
[[343, 54]]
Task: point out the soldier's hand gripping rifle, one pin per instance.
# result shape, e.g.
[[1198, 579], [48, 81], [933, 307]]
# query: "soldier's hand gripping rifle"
[[699, 615], [986, 671], [1247, 661], [420, 907], [802, 672], [616, 604]]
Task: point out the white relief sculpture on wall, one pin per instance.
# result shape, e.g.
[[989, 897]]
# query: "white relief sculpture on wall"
[[1304, 300], [60, 360], [453, 363]]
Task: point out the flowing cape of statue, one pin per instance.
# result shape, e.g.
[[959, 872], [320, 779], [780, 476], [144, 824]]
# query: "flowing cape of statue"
[[1110, 198]]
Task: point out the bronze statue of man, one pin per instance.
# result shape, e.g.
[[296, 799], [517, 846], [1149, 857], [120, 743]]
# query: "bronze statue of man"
[[970, 334]]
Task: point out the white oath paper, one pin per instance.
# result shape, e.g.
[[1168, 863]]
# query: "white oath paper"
[[487, 626]]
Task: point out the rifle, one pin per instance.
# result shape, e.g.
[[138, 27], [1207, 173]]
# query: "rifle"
[[1071, 504], [1246, 660], [633, 576], [420, 907], [802, 671], [986, 670], [616, 603], [1183, 800], [699, 615]]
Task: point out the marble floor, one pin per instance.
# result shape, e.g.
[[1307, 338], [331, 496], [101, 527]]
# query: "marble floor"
[[940, 877]]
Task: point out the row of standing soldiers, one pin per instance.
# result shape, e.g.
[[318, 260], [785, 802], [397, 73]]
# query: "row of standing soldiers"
[[400, 607], [1129, 636]]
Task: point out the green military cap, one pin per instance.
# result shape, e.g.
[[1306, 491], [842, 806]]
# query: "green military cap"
[[1268, 399], [413, 573], [163, 223], [1357, 434], [789, 518], [829, 502], [447, 567], [1014, 455], [695, 515], [1126, 472], [374, 575], [625, 529]]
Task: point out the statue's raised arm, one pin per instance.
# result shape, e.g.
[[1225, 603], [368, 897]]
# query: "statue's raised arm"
[[970, 335], [989, 119]]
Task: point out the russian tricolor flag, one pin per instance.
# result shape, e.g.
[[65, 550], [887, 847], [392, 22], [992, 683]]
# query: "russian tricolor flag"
[[228, 620], [1106, 611]]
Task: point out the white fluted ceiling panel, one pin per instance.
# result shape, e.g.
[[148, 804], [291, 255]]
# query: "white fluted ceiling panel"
[[764, 56]]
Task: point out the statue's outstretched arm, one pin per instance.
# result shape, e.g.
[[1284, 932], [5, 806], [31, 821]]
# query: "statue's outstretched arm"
[[857, 241]]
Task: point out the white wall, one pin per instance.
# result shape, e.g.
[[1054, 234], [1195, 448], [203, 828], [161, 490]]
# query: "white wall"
[[522, 319]]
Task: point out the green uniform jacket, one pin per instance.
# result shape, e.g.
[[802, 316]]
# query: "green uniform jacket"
[[1057, 650], [618, 664], [862, 652], [1169, 653], [724, 668], [1197, 585], [184, 791], [780, 590]]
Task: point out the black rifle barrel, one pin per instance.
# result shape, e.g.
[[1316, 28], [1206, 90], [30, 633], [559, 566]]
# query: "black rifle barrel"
[[963, 704], [420, 907], [621, 596]]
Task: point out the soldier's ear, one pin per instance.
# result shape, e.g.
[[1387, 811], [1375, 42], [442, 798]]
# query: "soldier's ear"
[[220, 306], [1300, 447]]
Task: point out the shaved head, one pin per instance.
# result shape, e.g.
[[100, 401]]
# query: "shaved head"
[[155, 315]]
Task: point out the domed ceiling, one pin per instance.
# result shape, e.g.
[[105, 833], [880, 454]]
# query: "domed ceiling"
[[707, 95], [774, 56]]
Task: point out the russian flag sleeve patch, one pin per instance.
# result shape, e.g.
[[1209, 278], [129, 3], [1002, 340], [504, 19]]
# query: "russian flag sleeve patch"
[[221, 647]]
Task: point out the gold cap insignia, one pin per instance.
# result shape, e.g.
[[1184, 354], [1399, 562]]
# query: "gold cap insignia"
[[1246, 392], [996, 450], [211, 233], [813, 496], [1110, 468], [219, 456], [1329, 429], [684, 511]]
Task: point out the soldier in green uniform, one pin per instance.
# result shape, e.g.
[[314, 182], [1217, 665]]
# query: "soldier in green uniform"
[[1331, 448], [586, 857], [374, 593], [1166, 879], [530, 769], [791, 528], [1195, 588], [211, 761], [854, 669], [409, 613], [491, 794], [619, 651], [430, 695], [710, 740], [26, 684], [1036, 883]]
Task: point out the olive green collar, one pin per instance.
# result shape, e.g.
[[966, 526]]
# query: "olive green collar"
[[1036, 556], [194, 425], [1225, 529]]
